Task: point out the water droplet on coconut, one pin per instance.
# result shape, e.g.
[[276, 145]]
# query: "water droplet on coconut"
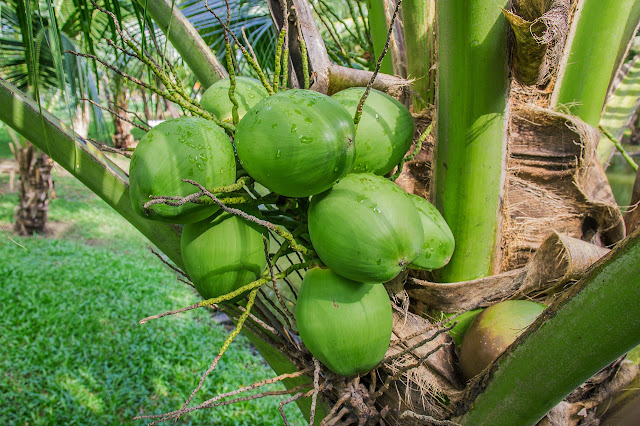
[[294, 128], [278, 154], [306, 139]]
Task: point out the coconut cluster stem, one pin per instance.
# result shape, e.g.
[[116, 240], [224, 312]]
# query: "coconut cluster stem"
[[278, 63], [231, 70], [196, 197], [275, 228]]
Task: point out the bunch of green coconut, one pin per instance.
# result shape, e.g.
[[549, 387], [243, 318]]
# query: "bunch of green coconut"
[[301, 145]]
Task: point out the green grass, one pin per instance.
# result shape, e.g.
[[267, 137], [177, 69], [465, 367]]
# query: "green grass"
[[72, 351]]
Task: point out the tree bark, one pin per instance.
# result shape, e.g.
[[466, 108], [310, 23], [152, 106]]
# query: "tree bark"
[[122, 137], [36, 183]]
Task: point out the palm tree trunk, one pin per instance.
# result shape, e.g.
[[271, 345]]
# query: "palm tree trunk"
[[122, 137], [36, 183]]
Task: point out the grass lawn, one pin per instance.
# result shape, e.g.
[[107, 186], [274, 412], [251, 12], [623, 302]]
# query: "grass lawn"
[[73, 352]]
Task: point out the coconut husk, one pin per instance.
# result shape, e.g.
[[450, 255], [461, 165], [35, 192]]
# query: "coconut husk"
[[540, 28], [559, 260], [554, 183]]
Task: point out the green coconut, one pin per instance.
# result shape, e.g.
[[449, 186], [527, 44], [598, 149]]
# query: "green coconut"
[[492, 331], [296, 143], [365, 228], [438, 239], [223, 253], [343, 323], [385, 131], [248, 93], [184, 148]]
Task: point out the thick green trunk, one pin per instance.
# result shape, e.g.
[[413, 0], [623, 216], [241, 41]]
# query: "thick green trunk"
[[471, 130]]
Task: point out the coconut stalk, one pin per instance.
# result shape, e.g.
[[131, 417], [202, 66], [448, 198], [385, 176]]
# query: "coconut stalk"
[[471, 130], [592, 324], [186, 39], [589, 61], [418, 17]]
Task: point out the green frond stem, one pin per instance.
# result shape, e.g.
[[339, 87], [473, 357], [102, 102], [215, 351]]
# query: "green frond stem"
[[620, 148], [278, 63], [83, 161], [379, 33], [413, 153], [418, 23], [185, 38]]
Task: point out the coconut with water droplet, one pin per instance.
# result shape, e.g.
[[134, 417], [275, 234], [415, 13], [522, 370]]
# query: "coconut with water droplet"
[[365, 228], [385, 131], [167, 154], [315, 150]]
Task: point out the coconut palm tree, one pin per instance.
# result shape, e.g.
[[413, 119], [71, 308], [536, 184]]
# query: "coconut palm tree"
[[513, 169]]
